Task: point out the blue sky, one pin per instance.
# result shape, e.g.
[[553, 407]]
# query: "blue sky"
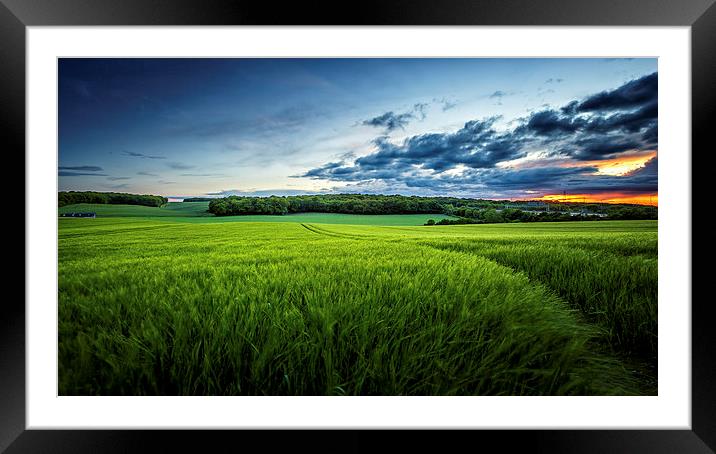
[[498, 128]]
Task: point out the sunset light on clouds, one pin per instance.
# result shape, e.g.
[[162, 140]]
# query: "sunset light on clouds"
[[623, 165]]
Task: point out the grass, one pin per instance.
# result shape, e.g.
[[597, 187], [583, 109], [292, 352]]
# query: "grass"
[[154, 306]]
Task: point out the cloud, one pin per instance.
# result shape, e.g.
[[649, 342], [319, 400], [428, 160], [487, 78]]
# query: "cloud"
[[202, 175], [555, 80], [476, 145], [650, 136], [82, 168], [550, 123], [499, 94], [64, 173], [636, 93], [391, 121], [596, 147], [419, 110], [478, 156], [147, 174], [538, 178], [650, 170], [642, 180], [445, 103], [180, 166], [118, 178], [601, 126], [141, 155]]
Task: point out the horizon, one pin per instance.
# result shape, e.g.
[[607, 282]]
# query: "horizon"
[[493, 129], [552, 199]]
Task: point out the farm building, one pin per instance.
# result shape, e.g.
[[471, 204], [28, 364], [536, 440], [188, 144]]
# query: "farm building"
[[78, 215]]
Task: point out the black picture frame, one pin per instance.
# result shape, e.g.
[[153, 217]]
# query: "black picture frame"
[[700, 15]]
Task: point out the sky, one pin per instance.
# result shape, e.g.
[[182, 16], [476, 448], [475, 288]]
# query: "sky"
[[511, 128]]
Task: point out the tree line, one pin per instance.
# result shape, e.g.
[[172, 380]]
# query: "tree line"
[[111, 198], [333, 203], [465, 210], [492, 216]]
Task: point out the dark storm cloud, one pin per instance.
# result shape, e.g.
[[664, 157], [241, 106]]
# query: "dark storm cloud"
[[140, 155], [515, 182], [632, 94], [325, 170], [475, 145], [650, 170], [650, 136], [551, 123], [570, 108], [82, 168], [634, 121], [642, 180], [628, 109], [601, 126], [503, 180], [572, 179], [542, 178], [600, 147], [586, 130]]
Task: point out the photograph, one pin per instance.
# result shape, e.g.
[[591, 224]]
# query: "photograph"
[[357, 226]]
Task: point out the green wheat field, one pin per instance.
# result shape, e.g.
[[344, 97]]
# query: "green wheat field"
[[175, 301]]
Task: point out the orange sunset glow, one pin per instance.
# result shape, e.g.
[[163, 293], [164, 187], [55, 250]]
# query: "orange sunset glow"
[[619, 166], [623, 164], [611, 197]]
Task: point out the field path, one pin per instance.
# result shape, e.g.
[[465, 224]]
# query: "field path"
[[322, 231]]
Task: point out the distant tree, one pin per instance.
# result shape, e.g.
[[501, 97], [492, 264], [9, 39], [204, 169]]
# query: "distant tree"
[[492, 216], [430, 222], [112, 198], [198, 199]]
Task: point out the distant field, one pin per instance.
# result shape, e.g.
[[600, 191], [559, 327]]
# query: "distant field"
[[175, 209], [155, 306], [196, 212]]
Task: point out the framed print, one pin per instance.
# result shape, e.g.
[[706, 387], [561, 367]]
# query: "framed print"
[[408, 218]]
